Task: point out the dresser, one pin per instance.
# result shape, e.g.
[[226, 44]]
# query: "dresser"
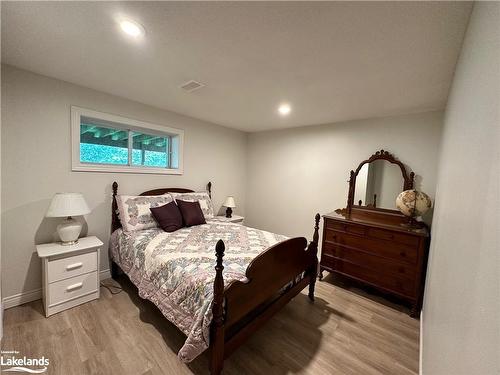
[[387, 257], [377, 246], [70, 273]]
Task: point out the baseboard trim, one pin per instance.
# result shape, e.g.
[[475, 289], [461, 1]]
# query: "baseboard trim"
[[105, 274], [21, 298], [421, 342], [33, 295]]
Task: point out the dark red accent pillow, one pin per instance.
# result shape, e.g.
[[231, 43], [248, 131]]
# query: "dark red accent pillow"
[[191, 213], [168, 217]]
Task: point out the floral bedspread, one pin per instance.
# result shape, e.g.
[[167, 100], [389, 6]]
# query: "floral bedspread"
[[176, 270]]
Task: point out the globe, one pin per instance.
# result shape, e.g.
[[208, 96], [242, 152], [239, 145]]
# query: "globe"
[[413, 203]]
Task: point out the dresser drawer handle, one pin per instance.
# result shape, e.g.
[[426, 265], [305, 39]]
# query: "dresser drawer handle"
[[74, 287], [403, 254], [73, 266]]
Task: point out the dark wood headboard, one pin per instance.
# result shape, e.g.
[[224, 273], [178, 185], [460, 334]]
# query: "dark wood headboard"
[[115, 220]]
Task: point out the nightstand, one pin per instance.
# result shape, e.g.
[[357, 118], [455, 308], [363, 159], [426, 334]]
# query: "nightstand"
[[233, 219], [70, 273]]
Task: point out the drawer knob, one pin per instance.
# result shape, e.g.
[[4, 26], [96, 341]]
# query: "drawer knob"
[[70, 288], [403, 254], [73, 266]]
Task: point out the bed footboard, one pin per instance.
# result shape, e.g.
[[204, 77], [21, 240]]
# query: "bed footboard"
[[273, 278]]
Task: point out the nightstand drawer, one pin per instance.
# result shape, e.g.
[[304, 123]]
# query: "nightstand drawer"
[[78, 286], [71, 266]]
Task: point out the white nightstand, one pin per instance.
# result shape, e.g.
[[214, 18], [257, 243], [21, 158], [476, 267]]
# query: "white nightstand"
[[232, 219], [70, 273]]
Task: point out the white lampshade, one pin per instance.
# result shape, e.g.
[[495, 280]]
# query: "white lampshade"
[[229, 202], [67, 204]]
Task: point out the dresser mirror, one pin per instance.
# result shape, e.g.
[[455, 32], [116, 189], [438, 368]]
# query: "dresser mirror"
[[378, 184], [377, 181]]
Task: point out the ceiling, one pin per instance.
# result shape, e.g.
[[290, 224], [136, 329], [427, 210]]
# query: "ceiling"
[[332, 61]]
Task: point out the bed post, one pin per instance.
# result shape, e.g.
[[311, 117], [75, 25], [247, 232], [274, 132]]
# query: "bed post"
[[209, 188], [114, 226], [313, 248], [217, 326]]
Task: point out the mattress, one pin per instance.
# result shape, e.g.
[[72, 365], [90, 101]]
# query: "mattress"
[[176, 270]]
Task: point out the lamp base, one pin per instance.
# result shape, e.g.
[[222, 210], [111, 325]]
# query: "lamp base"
[[68, 231], [229, 212], [69, 243]]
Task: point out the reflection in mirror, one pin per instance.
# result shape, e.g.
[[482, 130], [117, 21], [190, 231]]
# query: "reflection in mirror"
[[378, 184]]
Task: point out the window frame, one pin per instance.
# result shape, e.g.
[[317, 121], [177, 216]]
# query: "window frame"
[[127, 124]]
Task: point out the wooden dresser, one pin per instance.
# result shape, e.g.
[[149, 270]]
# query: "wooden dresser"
[[376, 249]]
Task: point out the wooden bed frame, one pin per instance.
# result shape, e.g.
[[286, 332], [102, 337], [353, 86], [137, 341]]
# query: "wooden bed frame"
[[240, 308]]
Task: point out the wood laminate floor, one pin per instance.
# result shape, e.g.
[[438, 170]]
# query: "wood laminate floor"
[[343, 332]]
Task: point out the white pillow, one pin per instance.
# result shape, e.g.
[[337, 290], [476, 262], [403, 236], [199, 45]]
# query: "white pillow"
[[200, 196], [135, 211]]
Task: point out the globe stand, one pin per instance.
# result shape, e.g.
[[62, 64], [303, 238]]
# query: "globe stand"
[[413, 212], [412, 223]]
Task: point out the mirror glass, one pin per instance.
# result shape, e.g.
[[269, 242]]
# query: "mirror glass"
[[378, 184]]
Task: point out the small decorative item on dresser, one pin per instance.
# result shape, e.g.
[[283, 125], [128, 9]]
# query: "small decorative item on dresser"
[[70, 273], [413, 204], [68, 205], [229, 203]]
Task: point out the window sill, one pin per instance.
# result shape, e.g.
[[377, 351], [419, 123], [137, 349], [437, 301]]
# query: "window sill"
[[125, 169]]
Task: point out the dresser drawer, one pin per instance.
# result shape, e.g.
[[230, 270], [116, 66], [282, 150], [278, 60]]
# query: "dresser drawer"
[[387, 249], [346, 228], [63, 268], [327, 261], [68, 289], [382, 265], [401, 286], [383, 234], [330, 235]]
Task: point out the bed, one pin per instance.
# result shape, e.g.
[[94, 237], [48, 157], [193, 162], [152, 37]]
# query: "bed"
[[217, 299]]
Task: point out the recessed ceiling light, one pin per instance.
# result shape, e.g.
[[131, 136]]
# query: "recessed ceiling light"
[[284, 109], [132, 28]]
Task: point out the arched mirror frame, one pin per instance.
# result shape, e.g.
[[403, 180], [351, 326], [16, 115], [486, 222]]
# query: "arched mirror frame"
[[408, 179]]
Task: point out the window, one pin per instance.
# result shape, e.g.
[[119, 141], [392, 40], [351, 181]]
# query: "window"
[[103, 142]]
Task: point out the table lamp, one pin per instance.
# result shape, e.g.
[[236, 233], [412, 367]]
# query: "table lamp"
[[68, 205], [229, 203]]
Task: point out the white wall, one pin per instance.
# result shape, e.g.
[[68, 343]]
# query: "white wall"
[[1, 301], [36, 163], [461, 326], [292, 174]]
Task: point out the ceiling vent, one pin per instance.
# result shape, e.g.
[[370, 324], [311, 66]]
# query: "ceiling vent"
[[191, 86]]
